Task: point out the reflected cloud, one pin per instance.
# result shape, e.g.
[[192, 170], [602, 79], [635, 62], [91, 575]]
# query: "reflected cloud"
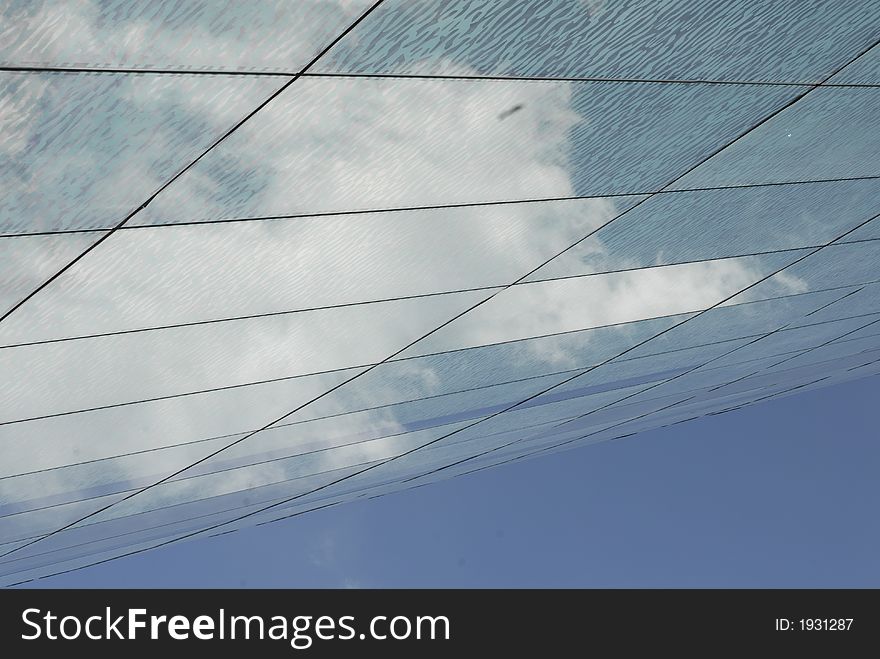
[[211, 331]]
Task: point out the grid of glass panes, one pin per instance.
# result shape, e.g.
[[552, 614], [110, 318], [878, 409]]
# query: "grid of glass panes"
[[260, 258]]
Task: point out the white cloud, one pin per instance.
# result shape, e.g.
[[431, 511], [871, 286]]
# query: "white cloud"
[[323, 145], [258, 35]]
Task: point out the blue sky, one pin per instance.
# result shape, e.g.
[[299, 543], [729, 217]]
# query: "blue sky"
[[338, 282], [779, 494]]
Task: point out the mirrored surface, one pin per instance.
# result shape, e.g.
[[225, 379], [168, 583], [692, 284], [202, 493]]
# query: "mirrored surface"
[[864, 71], [209, 35], [829, 133], [673, 39], [81, 151], [711, 224], [407, 264], [355, 144]]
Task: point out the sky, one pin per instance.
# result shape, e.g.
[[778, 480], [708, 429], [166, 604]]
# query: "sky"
[[339, 281], [779, 494]]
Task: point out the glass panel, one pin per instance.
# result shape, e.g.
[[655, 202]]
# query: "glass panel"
[[357, 214], [28, 524], [265, 35], [473, 440], [568, 304], [649, 370], [247, 480], [837, 356], [530, 414], [864, 71], [865, 300], [529, 419], [715, 397], [434, 459], [186, 424], [676, 379], [128, 533], [466, 403], [353, 487], [285, 510], [564, 418], [71, 482], [710, 224], [154, 277], [835, 265], [193, 424], [84, 151], [734, 353], [338, 144], [61, 377], [291, 450], [794, 339], [683, 407], [726, 366], [338, 493], [853, 373], [715, 376], [865, 369], [863, 333], [28, 261], [401, 423], [629, 418], [480, 366], [11, 546], [192, 498], [743, 319], [662, 417], [663, 414], [870, 231], [753, 40], [781, 371], [599, 427], [411, 465], [193, 515], [832, 132]]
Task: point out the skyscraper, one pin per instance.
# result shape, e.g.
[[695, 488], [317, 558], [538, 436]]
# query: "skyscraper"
[[261, 258]]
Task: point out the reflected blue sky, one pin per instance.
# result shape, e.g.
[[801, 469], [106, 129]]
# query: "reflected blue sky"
[[780, 494], [300, 320]]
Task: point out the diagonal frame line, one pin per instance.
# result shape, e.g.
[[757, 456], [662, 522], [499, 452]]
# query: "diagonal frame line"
[[655, 385], [757, 124], [738, 348], [388, 484], [450, 206], [555, 446], [559, 422], [412, 487], [320, 396], [253, 383], [396, 457], [410, 401], [383, 462], [363, 495], [192, 164], [574, 419], [532, 454], [782, 361], [749, 402], [178, 71], [413, 296], [482, 468]]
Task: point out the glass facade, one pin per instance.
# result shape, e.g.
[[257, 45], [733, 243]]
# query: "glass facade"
[[262, 258]]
